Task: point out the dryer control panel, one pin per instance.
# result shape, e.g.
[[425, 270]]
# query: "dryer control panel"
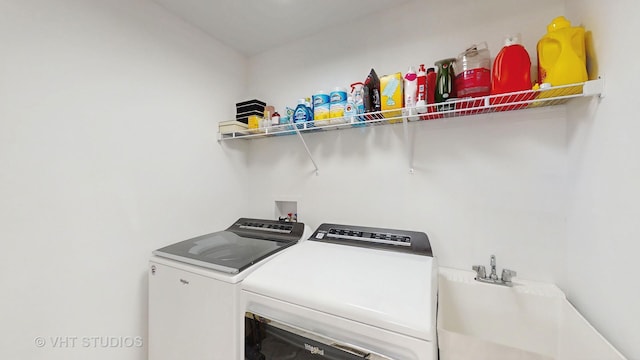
[[268, 229], [389, 239]]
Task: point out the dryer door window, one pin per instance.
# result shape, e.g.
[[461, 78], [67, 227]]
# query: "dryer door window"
[[266, 339]]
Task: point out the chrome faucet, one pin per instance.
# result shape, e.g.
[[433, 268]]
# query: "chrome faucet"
[[505, 278], [492, 262]]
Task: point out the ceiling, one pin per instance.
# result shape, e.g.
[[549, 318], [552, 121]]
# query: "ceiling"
[[253, 26]]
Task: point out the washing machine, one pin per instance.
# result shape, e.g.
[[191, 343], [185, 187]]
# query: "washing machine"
[[194, 288], [349, 292]]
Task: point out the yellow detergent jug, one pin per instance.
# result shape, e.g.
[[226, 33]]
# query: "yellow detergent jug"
[[561, 54]]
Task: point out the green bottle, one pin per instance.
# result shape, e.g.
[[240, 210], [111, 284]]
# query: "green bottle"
[[444, 81]]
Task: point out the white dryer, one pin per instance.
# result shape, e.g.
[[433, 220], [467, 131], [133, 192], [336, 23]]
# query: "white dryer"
[[349, 292], [194, 288]]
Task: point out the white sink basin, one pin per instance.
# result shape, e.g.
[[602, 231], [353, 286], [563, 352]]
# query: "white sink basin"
[[529, 321]]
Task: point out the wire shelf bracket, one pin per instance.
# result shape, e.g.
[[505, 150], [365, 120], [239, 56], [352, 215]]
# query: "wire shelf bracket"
[[304, 143]]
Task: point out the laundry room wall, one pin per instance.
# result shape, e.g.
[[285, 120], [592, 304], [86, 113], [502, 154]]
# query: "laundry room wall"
[[604, 206], [108, 123], [489, 184]]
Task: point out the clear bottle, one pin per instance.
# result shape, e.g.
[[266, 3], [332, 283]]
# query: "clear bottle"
[[350, 111], [473, 72], [358, 99]]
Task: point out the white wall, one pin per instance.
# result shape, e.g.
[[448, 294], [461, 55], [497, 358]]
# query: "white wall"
[[108, 122], [603, 231], [108, 115], [483, 185]]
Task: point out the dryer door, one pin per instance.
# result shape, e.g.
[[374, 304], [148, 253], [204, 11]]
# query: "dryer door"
[[266, 339]]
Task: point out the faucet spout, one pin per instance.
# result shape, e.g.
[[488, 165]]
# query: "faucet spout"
[[494, 273]]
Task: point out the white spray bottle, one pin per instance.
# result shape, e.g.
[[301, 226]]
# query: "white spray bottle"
[[410, 94]]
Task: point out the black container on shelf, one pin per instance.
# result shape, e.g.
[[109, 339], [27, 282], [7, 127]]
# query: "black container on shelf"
[[250, 105]]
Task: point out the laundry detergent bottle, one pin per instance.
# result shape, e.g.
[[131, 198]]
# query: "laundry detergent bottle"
[[511, 68], [561, 54]]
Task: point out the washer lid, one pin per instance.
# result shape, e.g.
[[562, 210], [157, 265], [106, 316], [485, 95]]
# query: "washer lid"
[[387, 289], [244, 243]]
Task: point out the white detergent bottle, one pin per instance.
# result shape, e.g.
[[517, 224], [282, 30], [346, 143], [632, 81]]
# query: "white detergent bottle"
[[410, 94]]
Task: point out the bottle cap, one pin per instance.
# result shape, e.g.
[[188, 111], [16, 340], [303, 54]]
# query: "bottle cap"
[[558, 23], [411, 74], [512, 40]]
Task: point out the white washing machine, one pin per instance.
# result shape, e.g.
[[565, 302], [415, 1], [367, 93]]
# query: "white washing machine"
[[349, 292], [194, 288]]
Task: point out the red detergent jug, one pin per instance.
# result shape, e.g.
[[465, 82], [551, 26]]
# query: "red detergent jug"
[[511, 73]]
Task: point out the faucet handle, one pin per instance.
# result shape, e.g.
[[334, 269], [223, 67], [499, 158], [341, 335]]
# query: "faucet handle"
[[480, 271], [507, 275]]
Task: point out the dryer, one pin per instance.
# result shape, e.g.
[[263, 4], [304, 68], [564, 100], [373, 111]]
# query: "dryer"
[[194, 288], [349, 292]]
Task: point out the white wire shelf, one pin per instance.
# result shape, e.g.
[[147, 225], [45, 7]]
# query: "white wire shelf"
[[520, 100], [456, 108]]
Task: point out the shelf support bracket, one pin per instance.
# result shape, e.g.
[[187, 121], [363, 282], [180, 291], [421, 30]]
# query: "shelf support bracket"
[[594, 87], [409, 144], [304, 143]]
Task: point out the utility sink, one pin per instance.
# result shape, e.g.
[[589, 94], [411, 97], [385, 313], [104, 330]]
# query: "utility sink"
[[528, 321]]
